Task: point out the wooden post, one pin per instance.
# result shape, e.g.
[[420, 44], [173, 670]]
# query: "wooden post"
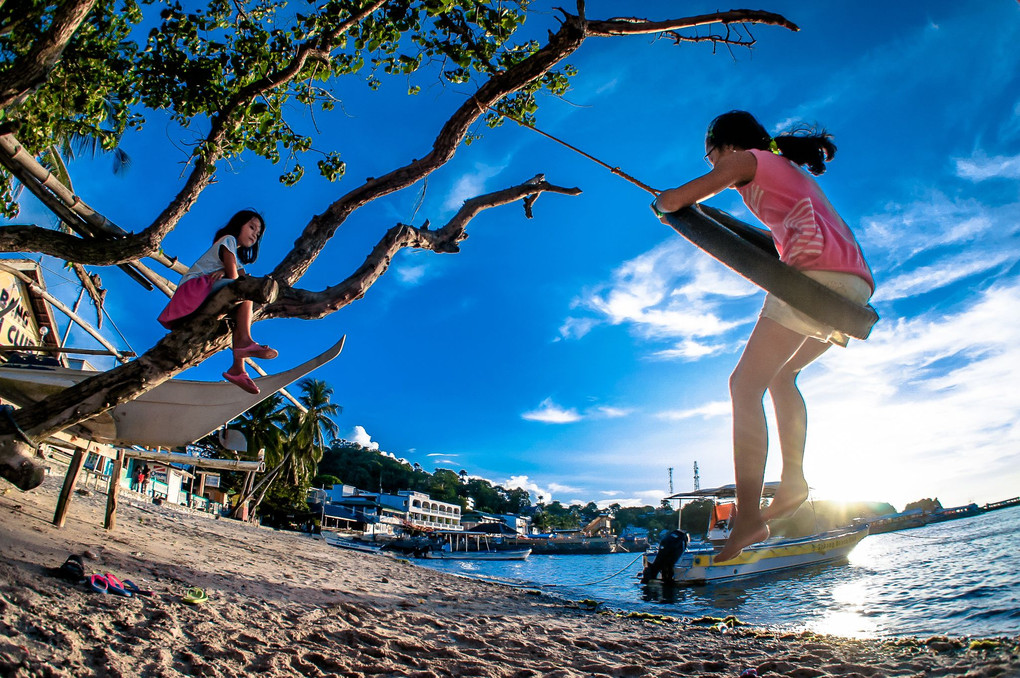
[[114, 490], [201, 484], [70, 480]]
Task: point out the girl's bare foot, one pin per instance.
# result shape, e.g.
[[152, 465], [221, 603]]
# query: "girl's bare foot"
[[788, 499], [742, 536]]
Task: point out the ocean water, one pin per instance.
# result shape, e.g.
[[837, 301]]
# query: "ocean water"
[[960, 577]]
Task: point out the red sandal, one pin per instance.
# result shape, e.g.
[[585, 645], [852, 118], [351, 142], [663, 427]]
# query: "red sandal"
[[242, 381], [254, 350]]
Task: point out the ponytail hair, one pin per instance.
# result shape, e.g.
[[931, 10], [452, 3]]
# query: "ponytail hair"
[[245, 255], [804, 145]]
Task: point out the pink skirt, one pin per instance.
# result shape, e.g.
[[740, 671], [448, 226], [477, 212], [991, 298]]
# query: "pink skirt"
[[186, 300]]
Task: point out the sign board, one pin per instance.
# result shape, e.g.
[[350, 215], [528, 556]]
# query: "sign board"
[[212, 481], [18, 327]]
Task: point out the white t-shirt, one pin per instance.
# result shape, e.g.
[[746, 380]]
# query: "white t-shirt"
[[210, 262]]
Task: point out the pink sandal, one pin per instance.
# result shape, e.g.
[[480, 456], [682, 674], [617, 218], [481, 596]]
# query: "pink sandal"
[[254, 350], [242, 381]]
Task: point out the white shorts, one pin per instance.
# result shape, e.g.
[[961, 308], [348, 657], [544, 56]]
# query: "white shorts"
[[847, 285]]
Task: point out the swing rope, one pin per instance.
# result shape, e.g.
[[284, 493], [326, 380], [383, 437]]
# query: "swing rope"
[[615, 170]]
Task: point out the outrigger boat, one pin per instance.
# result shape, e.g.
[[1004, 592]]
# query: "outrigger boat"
[[458, 547], [697, 564], [174, 414]]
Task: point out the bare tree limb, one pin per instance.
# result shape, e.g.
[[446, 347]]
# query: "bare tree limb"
[[633, 26], [296, 303], [32, 69], [322, 227]]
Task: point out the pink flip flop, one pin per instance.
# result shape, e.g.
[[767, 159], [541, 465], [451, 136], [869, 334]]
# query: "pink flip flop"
[[242, 381], [254, 350]]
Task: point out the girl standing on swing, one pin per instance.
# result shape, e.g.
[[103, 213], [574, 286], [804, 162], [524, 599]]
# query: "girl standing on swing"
[[810, 236]]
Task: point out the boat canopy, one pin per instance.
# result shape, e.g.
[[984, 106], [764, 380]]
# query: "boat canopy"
[[724, 492]]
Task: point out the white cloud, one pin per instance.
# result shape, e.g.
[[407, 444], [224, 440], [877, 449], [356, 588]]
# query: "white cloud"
[[612, 412], [981, 167], [669, 292], [470, 185], [411, 274], [719, 408], [637, 499], [551, 413], [360, 436], [927, 406], [525, 483], [691, 349], [945, 272], [935, 221], [441, 454]]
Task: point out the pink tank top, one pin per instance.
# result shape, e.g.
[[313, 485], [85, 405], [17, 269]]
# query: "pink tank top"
[[809, 234]]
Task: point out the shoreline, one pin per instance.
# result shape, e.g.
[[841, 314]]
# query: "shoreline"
[[285, 604]]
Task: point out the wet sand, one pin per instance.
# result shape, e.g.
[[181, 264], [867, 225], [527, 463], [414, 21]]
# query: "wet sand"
[[283, 604]]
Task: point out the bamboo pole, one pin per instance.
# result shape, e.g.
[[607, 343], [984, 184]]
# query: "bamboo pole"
[[14, 153], [70, 480], [61, 349], [63, 307]]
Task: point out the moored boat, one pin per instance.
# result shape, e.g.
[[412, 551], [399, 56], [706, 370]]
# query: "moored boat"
[[350, 544], [697, 563], [501, 554]]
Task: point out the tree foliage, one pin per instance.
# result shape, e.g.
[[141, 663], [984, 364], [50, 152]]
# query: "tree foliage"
[[374, 471], [236, 78]]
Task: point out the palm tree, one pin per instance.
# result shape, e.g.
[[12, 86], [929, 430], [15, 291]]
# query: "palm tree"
[[295, 439], [310, 431]]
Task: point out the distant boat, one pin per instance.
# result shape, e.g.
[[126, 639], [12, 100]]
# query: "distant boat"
[[502, 554], [469, 545], [334, 539], [697, 564]]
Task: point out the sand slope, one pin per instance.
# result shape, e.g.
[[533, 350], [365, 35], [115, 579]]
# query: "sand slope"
[[283, 604]]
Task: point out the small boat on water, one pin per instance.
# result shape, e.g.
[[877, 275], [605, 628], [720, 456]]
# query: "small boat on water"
[[334, 539], [468, 545], [502, 554], [697, 563]]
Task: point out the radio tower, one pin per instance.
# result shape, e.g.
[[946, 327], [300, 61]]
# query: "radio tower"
[[697, 478]]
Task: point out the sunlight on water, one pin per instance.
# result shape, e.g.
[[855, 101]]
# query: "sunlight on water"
[[959, 577], [848, 618]]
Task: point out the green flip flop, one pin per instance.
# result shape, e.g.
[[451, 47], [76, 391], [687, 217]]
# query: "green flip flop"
[[195, 596]]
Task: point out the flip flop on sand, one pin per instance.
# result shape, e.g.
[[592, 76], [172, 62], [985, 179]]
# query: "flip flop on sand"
[[99, 584], [254, 350], [73, 569], [194, 596], [116, 586], [134, 588], [242, 381]]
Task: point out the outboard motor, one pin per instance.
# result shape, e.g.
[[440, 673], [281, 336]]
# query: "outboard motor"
[[671, 548]]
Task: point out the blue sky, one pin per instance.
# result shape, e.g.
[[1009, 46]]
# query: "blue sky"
[[583, 353]]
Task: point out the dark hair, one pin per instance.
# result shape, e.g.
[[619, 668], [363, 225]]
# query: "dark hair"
[[245, 254], [804, 145]]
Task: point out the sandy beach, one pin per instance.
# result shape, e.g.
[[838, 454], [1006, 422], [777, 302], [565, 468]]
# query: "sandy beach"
[[284, 604]]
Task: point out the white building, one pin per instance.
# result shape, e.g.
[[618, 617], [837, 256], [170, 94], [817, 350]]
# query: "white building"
[[422, 511]]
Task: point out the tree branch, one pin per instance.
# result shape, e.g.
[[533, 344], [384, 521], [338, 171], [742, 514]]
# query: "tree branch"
[[634, 26], [297, 303], [322, 227], [223, 122], [32, 69]]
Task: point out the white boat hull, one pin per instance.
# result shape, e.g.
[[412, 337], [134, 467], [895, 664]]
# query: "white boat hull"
[[174, 414], [517, 554], [698, 566]]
